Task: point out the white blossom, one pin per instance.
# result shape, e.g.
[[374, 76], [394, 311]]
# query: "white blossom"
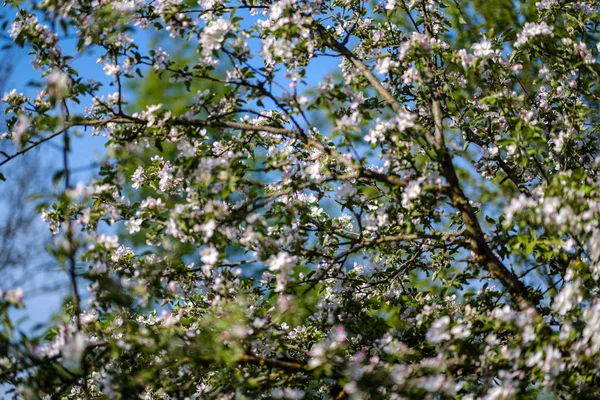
[[531, 30]]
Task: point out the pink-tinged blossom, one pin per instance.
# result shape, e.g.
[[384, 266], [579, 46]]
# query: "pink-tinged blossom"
[[73, 350], [411, 75], [585, 7], [404, 121], [13, 296], [58, 83], [149, 114], [207, 229], [212, 37], [19, 131], [151, 203], [111, 69], [281, 261], [484, 50], [287, 393], [531, 30], [518, 205], [546, 4], [14, 98], [384, 64], [569, 297], [348, 121], [49, 217], [87, 317], [121, 253], [585, 53], [465, 58], [138, 178], [438, 331], [133, 225], [411, 192], [159, 60], [378, 132], [166, 176], [107, 241], [346, 192], [209, 256], [502, 392]]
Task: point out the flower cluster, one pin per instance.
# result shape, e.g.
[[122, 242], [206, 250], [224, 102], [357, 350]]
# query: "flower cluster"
[[326, 200]]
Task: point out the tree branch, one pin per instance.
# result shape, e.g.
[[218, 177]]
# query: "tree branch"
[[478, 244]]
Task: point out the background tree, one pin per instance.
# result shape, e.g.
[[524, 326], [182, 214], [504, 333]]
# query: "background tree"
[[437, 237]]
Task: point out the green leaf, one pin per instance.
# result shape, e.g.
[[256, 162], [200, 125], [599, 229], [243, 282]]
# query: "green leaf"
[[57, 177]]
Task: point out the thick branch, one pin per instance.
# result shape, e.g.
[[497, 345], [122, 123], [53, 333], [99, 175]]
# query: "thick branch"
[[478, 244], [359, 170]]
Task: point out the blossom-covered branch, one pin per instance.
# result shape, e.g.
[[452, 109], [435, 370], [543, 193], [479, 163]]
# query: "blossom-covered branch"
[[316, 199]]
